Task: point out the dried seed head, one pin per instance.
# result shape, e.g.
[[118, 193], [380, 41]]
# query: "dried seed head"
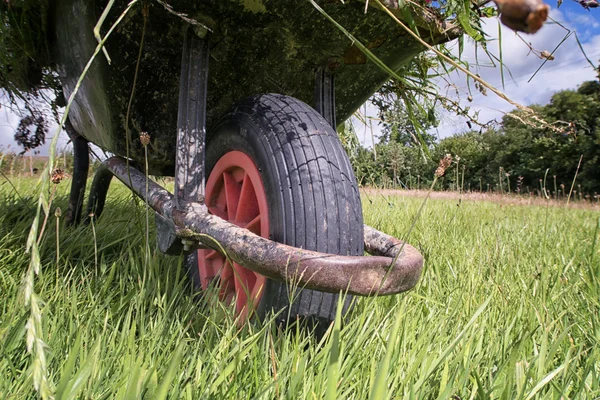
[[57, 176], [547, 55], [58, 212], [145, 138], [587, 4], [145, 11], [444, 164]]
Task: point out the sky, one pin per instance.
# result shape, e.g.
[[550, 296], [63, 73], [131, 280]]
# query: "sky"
[[568, 70]]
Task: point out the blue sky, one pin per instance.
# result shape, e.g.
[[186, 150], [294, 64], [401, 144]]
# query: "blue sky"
[[567, 71]]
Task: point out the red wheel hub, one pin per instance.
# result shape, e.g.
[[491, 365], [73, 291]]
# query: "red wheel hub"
[[235, 192]]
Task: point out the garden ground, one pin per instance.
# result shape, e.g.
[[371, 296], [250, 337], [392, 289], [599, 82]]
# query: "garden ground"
[[507, 307]]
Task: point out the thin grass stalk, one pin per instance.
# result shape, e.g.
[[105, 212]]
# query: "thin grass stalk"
[[574, 179], [133, 86], [147, 246], [95, 240], [11, 185], [544, 186], [57, 214], [500, 182], [410, 229], [457, 176]]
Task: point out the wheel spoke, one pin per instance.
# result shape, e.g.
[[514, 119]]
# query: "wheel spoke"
[[247, 208], [254, 225], [232, 194], [211, 264]]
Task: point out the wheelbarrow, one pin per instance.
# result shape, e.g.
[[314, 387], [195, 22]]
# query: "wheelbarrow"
[[265, 198]]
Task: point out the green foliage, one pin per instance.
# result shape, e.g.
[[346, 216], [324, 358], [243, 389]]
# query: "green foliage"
[[505, 309], [515, 155], [24, 49]]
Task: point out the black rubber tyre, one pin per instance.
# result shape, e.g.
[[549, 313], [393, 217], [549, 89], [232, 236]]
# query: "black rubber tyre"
[[312, 194]]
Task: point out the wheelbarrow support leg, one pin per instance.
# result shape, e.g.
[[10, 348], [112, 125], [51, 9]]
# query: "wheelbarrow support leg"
[[98, 192], [191, 138], [191, 119], [81, 163]]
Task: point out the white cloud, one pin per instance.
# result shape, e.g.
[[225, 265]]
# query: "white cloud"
[[568, 70], [581, 18]]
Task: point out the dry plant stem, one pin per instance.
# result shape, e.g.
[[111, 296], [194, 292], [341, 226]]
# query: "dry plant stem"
[[135, 76], [99, 25], [574, 178], [147, 249], [455, 64], [183, 16]]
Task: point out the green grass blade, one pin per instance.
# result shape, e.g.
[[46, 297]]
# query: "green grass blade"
[[333, 368], [163, 389], [544, 382], [379, 388]]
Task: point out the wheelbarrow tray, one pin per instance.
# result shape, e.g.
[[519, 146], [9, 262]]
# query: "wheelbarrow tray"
[[257, 46]]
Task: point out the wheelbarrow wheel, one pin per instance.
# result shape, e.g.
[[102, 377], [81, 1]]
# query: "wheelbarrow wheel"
[[276, 167]]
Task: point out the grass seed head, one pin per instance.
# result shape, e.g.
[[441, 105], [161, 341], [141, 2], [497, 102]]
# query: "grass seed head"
[[145, 138], [443, 166], [57, 175]]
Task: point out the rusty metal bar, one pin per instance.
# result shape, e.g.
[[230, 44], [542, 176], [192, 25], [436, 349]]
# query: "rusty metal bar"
[[387, 272]]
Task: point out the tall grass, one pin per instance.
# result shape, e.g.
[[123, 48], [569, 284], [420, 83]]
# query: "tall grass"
[[507, 308]]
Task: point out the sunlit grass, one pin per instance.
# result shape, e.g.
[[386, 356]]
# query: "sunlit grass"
[[507, 308]]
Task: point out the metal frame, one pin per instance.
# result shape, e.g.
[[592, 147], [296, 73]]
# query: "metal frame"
[[394, 267], [191, 120], [81, 165]]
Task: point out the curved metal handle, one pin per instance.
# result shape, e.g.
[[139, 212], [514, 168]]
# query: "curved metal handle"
[[394, 268]]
